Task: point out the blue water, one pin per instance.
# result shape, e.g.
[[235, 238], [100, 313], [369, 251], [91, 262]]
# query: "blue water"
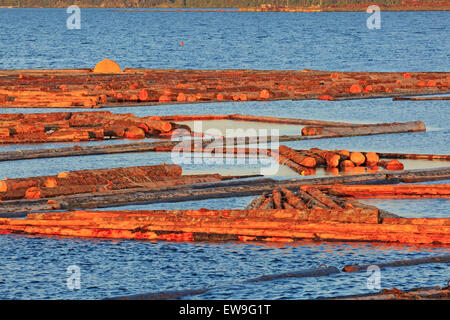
[[35, 267]]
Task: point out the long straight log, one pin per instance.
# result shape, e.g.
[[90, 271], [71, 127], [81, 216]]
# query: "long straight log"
[[391, 191], [430, 293], [399, 263], [413, 126]]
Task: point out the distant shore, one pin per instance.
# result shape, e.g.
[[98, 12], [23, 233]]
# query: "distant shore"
[[344, 8], [350, 8]]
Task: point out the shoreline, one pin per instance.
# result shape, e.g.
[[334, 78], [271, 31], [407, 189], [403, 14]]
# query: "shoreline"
[[286, 10]]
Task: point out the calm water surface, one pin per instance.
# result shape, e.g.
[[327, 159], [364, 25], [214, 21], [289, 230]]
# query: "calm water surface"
[[35, 267]]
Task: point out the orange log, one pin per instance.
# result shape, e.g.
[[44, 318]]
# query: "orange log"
[[322, 197], [277, 199], [357, 158], [390, 191], [293, 200], [298, 158]]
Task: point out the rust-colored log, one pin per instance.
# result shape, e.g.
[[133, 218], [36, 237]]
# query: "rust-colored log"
[[298, 158], [390, 191], [322, 197], [277, 199], [392, 165], [301, 170], [293, 200]]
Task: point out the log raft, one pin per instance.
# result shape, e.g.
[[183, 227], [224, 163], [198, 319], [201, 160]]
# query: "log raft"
[[133, 87], [222, 189], [79, 126], [285, 225]]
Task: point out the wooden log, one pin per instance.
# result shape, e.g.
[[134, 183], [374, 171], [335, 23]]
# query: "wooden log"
[[390, 191], [399, 263], [298, 158], [256, 202], [430, 157], [293, 200], [322, 197], [413, 126], [301, 170], [430, 293], [419, 98], [277, 199], [310, 201]]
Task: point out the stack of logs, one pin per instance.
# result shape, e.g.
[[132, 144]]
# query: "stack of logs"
[[305, 161], [98, 180], [341, 196], [285, 225], [83, 88], [79, 126]]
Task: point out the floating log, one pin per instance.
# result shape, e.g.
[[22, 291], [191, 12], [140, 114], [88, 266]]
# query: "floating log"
[[390, 191], [300, 159], [419, 98], [399, 263], [177, 294], [322, 197], [430, 293], [412, 126]]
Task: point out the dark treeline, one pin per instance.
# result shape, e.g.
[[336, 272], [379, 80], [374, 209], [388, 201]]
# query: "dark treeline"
[[200, 3]]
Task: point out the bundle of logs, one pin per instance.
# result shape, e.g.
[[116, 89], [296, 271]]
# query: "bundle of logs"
[[285, 225], [304, 162], [82, 88], [340, 196], [99, 180], [79, 126]]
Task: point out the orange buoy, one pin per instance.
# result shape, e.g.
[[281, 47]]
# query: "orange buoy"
[[107, 66], [182, 43]]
